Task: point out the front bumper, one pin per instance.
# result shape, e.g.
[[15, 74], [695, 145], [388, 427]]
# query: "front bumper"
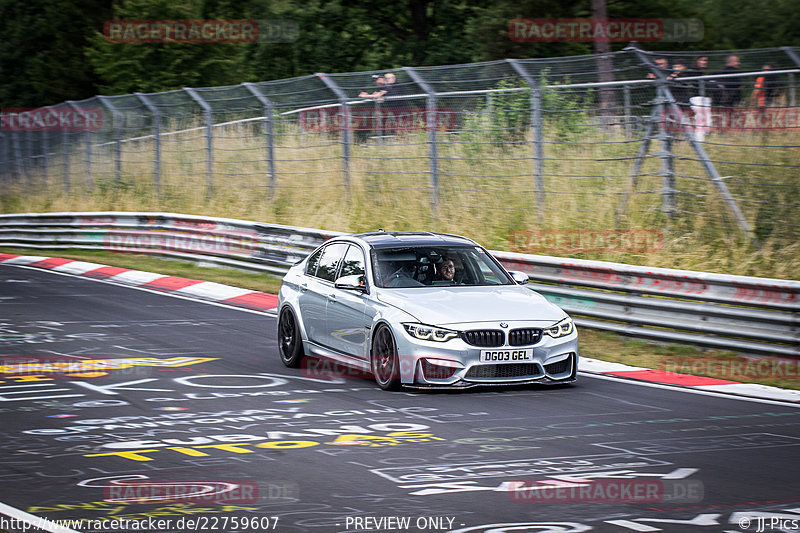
[[456, 364]]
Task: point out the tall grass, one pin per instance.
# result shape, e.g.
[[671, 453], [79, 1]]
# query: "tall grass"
[[486, 188]]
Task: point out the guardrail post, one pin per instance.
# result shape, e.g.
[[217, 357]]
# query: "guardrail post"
[[88, 138], [431, 124], [269, 132], [346, 141], [156, 139], [208, 115], [537, 137], [116, 119]]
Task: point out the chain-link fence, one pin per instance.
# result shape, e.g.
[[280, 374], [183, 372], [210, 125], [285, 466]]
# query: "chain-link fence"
[[489, 149]]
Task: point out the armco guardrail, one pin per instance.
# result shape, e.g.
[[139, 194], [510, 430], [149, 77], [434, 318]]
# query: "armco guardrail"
[[220, 241], [745, 314]]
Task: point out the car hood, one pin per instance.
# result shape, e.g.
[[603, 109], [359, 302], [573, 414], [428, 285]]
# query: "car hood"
[[444, 306]]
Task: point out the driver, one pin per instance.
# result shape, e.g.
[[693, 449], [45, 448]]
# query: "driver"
[[447, 270]]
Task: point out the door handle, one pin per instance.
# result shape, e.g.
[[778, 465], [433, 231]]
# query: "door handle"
[[304, 287], [332, 297]]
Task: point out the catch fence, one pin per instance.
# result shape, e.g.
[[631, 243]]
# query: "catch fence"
[[574, 142]]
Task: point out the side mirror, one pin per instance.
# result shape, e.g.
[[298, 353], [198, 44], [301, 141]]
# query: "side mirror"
[[351, 283], [520, 277]]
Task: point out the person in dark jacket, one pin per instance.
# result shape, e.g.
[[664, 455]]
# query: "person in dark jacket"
[[729, 92]]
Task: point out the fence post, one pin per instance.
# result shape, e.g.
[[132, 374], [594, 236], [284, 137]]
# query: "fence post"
[[346, 141], [626, 102], [19, 162], [156, 139], [792, 89], [208, 115], [652, 120], [667, 171], [4, 158], [696, 146], [269, 132], [88, 137], [431, 124], [116, 119], [65, 153], [537, 136], [45, 154]]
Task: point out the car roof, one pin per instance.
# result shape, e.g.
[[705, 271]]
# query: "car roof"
[[388, 239]]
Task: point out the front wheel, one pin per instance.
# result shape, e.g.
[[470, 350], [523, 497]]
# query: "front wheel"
[[384, 361], [290, 345]]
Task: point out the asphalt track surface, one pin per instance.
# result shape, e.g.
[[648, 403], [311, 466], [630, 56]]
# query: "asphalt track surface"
[[164, 395]]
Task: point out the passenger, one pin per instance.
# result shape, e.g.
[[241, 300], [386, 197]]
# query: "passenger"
[[399, 274]]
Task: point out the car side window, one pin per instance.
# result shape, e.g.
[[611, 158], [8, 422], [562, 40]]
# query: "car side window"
[[329, 262], [313, 261], [353, 262]]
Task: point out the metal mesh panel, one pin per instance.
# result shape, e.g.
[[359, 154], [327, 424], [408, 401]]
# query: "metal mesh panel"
[[505, 147]]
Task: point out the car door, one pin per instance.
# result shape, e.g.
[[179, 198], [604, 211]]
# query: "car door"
[[346, 321], [315, 288]]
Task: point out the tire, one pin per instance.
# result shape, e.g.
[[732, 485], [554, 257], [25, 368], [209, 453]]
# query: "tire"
[[290, 344], [384, 361]]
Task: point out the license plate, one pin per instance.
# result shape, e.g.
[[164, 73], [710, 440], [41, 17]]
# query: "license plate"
[[506, 356]]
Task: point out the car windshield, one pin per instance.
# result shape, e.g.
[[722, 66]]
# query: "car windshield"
[[427, 266]]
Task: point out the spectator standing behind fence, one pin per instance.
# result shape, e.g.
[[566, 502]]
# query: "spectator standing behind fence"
[[377, 95], [767, 87], [729, 90], [679, 89], [663, 65], [386, 87], [700, 104]]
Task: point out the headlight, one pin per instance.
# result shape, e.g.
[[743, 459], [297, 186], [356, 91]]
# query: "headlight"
[[430, 333], [562, 329]]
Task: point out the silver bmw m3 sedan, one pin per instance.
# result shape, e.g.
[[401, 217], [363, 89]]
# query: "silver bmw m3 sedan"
[[419, 309]]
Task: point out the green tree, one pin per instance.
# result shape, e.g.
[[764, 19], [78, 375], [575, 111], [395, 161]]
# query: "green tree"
[[150, 67], [41, 52]]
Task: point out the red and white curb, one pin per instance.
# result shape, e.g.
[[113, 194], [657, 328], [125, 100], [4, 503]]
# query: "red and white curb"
[[700, 383], [260, 301], [191, 288]]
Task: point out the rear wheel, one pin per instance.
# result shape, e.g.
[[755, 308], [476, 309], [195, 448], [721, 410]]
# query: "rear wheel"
[[384, 361], [290, 345]]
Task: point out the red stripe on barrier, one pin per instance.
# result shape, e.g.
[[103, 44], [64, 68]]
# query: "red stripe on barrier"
[[171, 283], [6, 257], [105, 272], [51, 262], [671, 378], [255, 300]]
